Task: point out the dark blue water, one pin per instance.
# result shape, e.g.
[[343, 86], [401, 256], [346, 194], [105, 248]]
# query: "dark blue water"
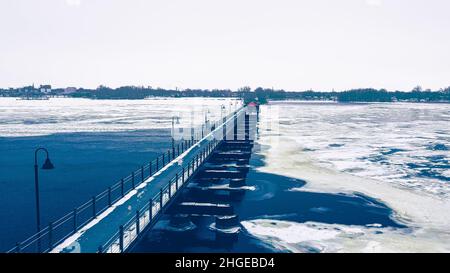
[[272, 199], [85, 165]]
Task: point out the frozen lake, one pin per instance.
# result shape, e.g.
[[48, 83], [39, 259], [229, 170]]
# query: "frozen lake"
[[68, 115], [407, 145]]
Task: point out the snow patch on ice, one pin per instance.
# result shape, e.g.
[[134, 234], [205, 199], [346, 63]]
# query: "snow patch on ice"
[[320, 237]]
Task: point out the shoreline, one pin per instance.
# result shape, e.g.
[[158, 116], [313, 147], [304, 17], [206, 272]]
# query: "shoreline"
[[270, 101]]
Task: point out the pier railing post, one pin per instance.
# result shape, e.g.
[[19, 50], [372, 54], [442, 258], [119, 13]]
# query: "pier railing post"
[[182, 176], [178, 149], [138, 228], [161, 198], [170, 189], [150, 210], [121, 238], [247, 127], [163, 160], [235, 131], [157, 163], [176, 179], [224, 131]]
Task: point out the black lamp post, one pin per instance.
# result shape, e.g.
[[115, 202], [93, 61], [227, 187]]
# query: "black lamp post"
[[206, 130], [173, 132], [46, 166], [222, 108]]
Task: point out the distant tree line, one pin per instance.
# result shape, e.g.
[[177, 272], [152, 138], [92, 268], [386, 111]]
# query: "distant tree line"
[[355, 95], [246, 93], [373, 95], [133, 92]]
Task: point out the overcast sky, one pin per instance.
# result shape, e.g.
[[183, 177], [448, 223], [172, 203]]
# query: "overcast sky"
[[289, 44]]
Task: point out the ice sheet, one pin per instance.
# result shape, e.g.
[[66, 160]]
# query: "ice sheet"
[[372, 149], [64, 115]]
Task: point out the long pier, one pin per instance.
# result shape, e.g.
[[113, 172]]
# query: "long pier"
[[116, 219]]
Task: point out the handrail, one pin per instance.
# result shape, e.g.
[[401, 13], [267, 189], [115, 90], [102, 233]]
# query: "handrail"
[[132, 229], [154, 208], [47, 238]]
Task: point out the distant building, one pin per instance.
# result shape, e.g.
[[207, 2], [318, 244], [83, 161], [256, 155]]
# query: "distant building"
[[28, 89], [69, 90], [45, 89]]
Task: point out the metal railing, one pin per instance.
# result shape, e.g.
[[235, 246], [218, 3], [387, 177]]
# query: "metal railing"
[[154, 208], [58, 231], [149, 214]]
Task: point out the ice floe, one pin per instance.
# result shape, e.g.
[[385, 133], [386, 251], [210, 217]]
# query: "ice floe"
[[320, 237]]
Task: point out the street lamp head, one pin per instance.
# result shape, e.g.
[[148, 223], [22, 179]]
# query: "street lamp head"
[[48, 165], [175, 120]]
